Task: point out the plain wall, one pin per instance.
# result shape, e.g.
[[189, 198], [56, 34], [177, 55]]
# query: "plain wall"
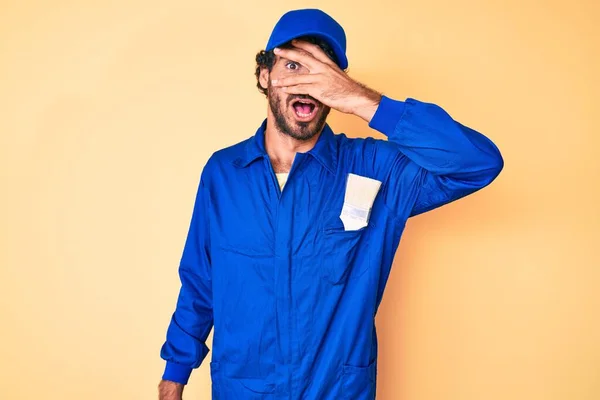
[[109, 110]]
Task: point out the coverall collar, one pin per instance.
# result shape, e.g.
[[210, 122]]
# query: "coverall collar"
[[324, 151]]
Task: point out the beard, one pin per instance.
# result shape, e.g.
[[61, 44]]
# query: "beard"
[[298, 130]]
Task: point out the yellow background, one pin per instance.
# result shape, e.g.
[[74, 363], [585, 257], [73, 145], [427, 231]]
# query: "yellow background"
[[109, 109]]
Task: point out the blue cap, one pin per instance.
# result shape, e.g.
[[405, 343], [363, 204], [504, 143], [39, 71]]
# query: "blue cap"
[[310, 22]]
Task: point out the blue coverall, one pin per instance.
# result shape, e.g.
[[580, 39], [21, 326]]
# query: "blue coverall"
[[293, 295]]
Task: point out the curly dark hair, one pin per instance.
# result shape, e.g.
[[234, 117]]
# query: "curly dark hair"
[[266, 59]]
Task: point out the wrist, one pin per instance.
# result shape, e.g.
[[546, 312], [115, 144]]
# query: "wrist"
[[368, 104], [169, 390]]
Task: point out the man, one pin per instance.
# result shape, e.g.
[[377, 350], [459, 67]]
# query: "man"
[[294, 230]]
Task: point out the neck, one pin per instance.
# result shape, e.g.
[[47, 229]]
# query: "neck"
[[282, 148]]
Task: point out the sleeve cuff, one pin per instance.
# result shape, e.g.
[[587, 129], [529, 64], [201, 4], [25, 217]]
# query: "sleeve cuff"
[[177, 373], [388, 114]]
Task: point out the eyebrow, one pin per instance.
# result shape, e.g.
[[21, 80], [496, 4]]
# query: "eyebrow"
[[283, 59]]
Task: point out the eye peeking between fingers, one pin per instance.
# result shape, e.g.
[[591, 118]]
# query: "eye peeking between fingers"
[[291, 65]]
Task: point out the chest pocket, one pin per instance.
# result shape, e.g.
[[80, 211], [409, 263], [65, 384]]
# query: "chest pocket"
[[344, 253]]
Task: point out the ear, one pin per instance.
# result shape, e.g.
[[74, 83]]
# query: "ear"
[[263, 78]]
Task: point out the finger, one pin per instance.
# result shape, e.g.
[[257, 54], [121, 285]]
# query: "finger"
[[314, 50], [300, 89], [298, 55], [296, 80]]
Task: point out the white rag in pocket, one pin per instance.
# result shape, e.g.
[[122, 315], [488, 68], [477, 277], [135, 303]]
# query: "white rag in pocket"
[[358, 201]]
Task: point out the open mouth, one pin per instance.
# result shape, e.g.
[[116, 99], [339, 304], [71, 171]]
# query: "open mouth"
[[304, 109]]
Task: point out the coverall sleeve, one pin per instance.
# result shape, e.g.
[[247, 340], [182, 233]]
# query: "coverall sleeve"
[[429, 159], [185, 347]]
